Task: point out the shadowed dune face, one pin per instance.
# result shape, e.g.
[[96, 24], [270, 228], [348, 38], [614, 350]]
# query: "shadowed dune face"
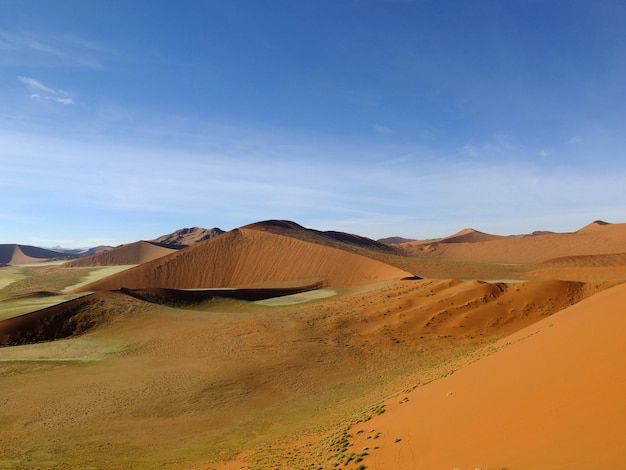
[[63, 320], [552, 396], [247, 257]]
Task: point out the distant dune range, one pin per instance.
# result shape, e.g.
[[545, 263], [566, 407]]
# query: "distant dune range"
[[597, 238]]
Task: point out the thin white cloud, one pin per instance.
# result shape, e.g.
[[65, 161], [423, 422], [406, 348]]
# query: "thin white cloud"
[[65, 100], [576, 139], [44, 92], [35, 84], [543, 153]]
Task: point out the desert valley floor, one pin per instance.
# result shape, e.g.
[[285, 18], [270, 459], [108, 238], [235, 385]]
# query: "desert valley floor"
[[275, 346]]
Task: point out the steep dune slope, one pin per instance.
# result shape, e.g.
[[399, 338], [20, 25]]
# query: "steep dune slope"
[[247, 257], [550, 397]]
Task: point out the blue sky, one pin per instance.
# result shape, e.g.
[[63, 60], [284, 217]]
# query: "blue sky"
[[125, 120]]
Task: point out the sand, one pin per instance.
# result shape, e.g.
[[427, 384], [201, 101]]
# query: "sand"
[[551, 397], [518, 374]]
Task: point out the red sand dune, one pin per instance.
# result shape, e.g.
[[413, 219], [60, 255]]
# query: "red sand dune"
[[131, 253], [247, 257], [551, 397]]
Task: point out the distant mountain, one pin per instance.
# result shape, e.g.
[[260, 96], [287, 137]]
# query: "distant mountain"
[[187, 236], [538, 233], [395, 240], [81, 251], [342, 240], [130, 253]]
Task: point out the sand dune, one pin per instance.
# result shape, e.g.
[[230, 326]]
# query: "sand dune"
[[248, 257], [25, 254], [469, 235], [131, 253], [551, 397]]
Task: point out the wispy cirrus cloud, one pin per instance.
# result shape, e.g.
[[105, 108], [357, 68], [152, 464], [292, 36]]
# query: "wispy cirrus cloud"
[[44, 92], [36, 49]]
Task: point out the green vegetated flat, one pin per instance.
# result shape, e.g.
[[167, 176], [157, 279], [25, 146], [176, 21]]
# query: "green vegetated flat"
[[24, 289], [19, 306], [10, 274]]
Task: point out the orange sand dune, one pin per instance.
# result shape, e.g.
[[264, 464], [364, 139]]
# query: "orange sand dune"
[[247, 257], [551, 397], [594, 239], [131, 253]]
